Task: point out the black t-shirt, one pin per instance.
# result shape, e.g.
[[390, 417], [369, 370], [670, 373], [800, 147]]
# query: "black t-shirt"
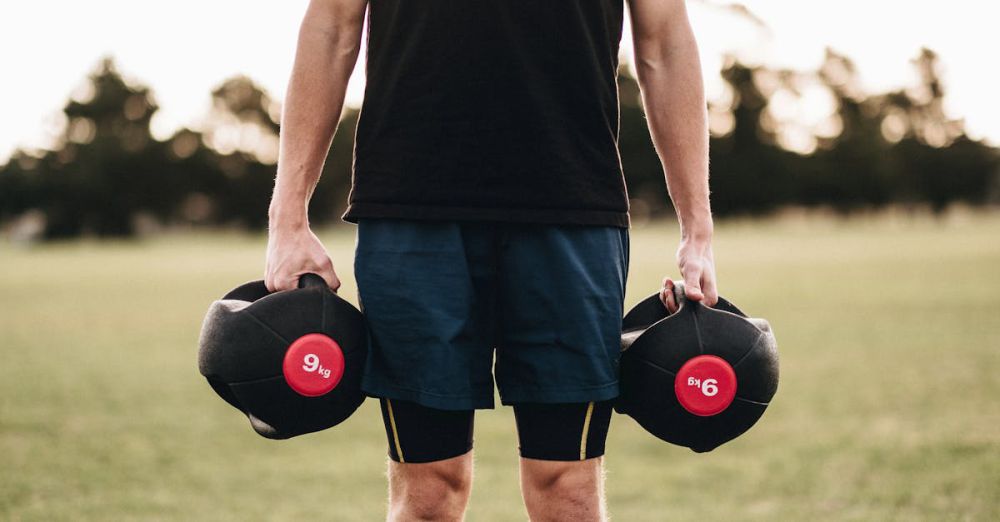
[[500, 110]]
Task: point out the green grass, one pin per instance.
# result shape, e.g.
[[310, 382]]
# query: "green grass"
[[888, 407]]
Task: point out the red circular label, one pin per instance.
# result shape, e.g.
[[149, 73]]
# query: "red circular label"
[[705, 385], [313, 365]]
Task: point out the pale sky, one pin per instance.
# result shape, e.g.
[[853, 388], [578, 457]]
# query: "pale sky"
[[184, 48]]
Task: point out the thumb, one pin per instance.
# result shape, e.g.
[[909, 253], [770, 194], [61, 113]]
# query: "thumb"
[[692, 284]]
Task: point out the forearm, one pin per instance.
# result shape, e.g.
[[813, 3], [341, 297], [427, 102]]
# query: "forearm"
[[324, 59], [669, 74]]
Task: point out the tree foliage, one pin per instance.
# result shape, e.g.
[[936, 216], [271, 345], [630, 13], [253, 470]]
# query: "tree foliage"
[[107, 175]]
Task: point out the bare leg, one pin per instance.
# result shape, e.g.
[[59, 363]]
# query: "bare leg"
[[432, 491], [558, 491]]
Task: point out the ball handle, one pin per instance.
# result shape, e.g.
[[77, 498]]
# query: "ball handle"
[[760, 323], [722, 304], [311, 280]]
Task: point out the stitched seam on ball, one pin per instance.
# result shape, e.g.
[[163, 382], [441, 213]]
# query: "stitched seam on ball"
[[746, 354], [658, 367], [697, 332], [268, 328], [737, 398]]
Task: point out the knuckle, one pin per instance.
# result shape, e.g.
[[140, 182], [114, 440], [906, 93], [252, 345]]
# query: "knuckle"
[[692, 266]]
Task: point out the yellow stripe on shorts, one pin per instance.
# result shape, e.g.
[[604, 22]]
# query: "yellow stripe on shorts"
[[395, 434], [586, 431]]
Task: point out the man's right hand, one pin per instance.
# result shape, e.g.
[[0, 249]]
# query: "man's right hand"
[[292, 252]]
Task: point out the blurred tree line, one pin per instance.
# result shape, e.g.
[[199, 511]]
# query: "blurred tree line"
[[870, 151], [108, 176]]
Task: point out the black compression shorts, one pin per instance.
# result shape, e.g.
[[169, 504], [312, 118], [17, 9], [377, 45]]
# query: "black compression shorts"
[[561, 432]]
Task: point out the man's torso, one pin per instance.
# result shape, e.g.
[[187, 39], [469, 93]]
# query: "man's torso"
[[500, 110]]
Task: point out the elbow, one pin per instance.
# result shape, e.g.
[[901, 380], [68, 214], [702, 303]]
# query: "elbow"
[[657, 57], [651, 64], [339, 29], [340, 40], [647, 67]]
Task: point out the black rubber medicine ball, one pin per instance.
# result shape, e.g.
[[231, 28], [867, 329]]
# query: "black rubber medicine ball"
[[699, 377], [291, 361]]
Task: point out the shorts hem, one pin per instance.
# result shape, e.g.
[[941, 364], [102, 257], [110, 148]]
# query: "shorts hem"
[[429, 399], [435, 458], [561, 395], [561, 458]]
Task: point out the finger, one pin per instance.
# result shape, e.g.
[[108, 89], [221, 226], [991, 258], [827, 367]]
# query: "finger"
[[332, 281], [710, 287], [667, 295], [692, 282], [278, 284], [667, 298], [287, 283], [269, 281], [327, 272]]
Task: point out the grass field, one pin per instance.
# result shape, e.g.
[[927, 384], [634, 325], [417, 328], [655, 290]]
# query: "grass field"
[[888, 407]]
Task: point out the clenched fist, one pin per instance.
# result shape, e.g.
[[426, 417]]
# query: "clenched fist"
[[293, 251]]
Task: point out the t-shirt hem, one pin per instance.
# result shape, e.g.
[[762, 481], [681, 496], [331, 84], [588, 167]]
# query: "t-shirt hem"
[[511, 215]]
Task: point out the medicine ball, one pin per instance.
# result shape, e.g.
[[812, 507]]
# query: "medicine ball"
[[699, 377], [291, 360]]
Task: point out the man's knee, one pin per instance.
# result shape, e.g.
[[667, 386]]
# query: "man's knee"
[[562, 479], [560, 490], [430, 491]]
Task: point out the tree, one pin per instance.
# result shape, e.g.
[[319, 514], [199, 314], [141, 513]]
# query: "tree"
[[107, 173], [100, 175]]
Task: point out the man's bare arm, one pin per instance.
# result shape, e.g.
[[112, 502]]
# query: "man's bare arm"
[[669, 74], [328, 47]]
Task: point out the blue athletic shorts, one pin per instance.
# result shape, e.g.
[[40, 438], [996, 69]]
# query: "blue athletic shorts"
[[442, 298]]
